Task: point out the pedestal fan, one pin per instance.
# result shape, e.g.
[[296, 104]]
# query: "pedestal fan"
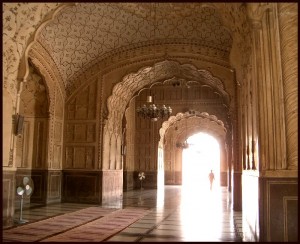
[[141, 178], [26, 189]]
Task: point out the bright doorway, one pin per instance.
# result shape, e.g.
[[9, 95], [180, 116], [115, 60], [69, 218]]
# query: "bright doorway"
[[202, 156], [198, 201]]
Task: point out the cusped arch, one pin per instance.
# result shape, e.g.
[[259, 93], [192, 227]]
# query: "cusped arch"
[[23, 71], [189, 123], [48, 70], [160, 72]]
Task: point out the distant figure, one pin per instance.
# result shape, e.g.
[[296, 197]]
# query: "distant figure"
[[211, 177]]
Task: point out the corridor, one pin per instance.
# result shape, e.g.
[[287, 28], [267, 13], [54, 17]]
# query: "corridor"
[[173, 214]]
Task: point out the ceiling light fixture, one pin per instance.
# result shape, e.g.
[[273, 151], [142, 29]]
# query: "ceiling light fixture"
[[152, 111]]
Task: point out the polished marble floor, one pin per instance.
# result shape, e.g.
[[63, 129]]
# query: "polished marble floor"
[[176, 214]]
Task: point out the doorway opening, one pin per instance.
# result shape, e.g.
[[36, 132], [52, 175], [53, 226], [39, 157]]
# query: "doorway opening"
[[202, 156], [198, 201]]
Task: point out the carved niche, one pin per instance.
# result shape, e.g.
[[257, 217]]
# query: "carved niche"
[[32, 143]]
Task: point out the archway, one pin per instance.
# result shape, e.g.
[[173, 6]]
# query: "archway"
[[202, 156], [178, 129], [133, 86]]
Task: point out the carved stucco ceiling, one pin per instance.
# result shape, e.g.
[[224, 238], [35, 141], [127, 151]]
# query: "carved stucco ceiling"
[[81, 34]]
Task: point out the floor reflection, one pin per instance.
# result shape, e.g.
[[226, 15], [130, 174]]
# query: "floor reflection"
[[176, 214], [201, 213], [185, 213]]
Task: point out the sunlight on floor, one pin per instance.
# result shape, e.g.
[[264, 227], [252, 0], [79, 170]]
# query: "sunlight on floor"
[[160, 200], [200, 210]]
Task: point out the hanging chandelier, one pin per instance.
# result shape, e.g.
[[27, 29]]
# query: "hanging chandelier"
[[153, 112]]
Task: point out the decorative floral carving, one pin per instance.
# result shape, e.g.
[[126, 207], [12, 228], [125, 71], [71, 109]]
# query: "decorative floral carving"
[[83, 33], [20, 20], [34, 100], [256, 10]]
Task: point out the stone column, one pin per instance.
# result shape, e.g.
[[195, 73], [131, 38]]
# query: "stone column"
[[229, 157], [288, 32], [223, 163], [268, 90], [237, 167]]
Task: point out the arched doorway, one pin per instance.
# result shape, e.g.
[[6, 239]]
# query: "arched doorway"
[[183, 126], [141, 137], [202, 156]]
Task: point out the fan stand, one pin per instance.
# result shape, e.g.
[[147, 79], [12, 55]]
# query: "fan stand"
[[141, 184], [21, 220]]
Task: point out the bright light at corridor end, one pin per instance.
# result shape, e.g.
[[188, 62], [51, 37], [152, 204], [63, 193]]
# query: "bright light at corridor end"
[[202, 156], [198, 201]]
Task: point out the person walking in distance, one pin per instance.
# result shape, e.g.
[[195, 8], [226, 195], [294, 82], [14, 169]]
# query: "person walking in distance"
[[211, 177]]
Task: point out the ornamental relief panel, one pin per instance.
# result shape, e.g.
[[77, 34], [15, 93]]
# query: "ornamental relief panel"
[[31, 145], [80, 132], [40, 144], [34, 100], [132, 54], [235, 18], [83, 106], [59, 105], [80, 157], [20, 20], [46, 66], [22, 147], [80, 129], [58, 131], [56, 156]]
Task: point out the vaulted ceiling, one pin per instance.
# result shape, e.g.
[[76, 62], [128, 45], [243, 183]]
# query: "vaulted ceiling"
[[76, 36], [82, 34]]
